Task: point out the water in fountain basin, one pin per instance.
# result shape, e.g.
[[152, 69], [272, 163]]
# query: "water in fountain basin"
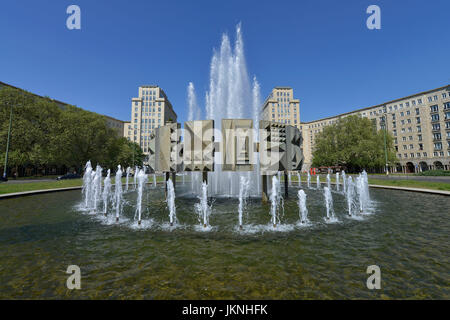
[[106, 191], [243, 195], [329, 203], [171, 202], [302, 207], [118, 197]]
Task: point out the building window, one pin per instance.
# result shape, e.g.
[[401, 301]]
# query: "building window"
[[435, 117], [438, 145], [434, 108]]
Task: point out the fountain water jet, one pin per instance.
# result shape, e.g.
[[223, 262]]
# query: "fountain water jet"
[[106, 192], [344, 182], [318, 182], [276, 201], [328, 203], [202, 208], [350, 195], [118, 192], [135, 177], [308, 181], [142, 179], [337, 181], [128, 176], [87, 184], [97, 186], [302, 207], [243, 195], [299, 179], [171, 202], [328, 181]]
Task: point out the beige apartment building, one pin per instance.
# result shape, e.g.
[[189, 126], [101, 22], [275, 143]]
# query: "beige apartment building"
[[150, 110], [281, 106], [420, 124]]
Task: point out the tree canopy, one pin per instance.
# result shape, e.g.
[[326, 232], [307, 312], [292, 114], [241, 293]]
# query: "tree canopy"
[[355, 143], [44, 134]]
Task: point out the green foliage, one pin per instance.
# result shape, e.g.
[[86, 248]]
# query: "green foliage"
[[353, 142], [44, 134], [434, 173]]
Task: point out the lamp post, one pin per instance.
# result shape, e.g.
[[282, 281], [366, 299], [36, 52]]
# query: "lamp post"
[[385, 147], [4, 177]]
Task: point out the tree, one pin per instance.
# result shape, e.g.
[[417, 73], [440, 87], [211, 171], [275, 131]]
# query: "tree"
[[45, 134], [355, 143]]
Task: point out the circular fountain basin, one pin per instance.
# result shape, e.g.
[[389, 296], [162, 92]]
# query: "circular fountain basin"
[[405, 235]]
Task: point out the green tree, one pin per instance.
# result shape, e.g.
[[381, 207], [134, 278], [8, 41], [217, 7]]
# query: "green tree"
[[355, 143]]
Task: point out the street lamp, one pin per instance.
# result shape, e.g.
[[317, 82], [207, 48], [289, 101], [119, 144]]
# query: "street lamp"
[[385, 148], [4, 177]]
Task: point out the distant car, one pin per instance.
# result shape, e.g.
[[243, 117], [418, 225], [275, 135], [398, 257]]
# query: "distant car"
[[69, 176]]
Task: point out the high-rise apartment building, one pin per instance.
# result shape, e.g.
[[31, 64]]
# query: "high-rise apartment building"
[[281, 106], [150, 110], [420, 124]]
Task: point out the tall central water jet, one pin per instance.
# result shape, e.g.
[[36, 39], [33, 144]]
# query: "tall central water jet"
[[337, 181], [308, 180], [243, 195], [350, 195], [97, 186], [299, 179], [318, 182], [328, 181], [231, 96], [171, 202], [344, 182]]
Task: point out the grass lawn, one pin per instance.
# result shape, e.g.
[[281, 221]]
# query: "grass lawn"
[[395, 183], [20, 187]]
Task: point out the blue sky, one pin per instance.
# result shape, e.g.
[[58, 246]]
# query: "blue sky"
[[322, 49]]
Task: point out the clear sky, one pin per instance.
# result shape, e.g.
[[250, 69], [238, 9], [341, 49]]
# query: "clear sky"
[[322, 49]]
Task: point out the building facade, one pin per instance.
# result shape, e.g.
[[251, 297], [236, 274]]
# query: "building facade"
[[150, 110], [281, 106], [419, 123]]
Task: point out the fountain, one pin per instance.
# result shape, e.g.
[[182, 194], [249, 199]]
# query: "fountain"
[[362, 187], [154, 180], [126, 181], [97, 186], [106, 192], [135, 177], [328, 203], [318, 182], [276, 201], [289, 179], [337, 181], [118, 192], [344, 182], [142, 179], [87, 184], [230, 92], [328, 181], [302, 207], [171, 202], [350, 195], [309, 181], [203, 209], [299, 179], [243, 195]]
